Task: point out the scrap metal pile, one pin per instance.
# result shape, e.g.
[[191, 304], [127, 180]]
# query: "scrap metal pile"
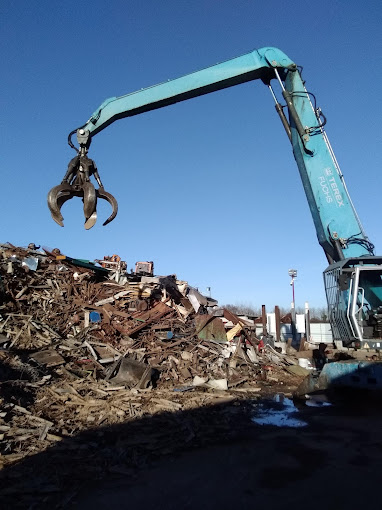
[[82, 346]]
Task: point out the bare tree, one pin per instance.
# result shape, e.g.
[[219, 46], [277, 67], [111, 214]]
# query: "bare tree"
[[243, 309], [318, 314]]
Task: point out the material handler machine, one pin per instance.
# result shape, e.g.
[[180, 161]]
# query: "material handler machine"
[[353, 279]]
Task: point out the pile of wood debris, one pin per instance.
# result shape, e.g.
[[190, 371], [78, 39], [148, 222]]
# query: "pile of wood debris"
[[82, 348]]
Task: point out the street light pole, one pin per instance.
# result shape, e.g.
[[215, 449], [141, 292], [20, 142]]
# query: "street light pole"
[[293, 291], [293, 274]]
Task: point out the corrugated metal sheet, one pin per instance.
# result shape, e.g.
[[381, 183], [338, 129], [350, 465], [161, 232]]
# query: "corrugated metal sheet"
[[210, 328]]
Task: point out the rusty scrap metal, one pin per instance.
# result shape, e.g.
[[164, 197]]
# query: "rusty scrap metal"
[[75, 374]]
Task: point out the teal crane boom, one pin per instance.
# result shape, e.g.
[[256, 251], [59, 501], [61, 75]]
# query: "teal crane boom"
[[353, 279]]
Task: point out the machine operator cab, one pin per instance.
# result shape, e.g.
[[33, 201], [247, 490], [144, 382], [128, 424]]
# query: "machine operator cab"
[[354, 294]]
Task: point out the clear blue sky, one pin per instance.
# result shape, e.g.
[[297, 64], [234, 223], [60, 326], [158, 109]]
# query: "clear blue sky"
[[207, 189]]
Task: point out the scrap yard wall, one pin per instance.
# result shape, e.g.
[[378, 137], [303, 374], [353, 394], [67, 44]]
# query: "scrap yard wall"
[[319, 331]]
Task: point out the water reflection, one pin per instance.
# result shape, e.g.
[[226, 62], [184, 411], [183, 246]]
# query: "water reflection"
[[279, 411]]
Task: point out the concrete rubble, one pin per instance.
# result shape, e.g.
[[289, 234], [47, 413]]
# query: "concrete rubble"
[[85, 345]]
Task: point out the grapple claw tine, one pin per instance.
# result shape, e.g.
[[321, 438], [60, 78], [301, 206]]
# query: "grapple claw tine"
[[101, 193], [90, 222], [64, 197], [58, 220], [90, 201], [56, 197]]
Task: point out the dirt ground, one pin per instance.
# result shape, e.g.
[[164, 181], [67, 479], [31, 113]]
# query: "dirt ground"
[[215, 457], [334, 462]]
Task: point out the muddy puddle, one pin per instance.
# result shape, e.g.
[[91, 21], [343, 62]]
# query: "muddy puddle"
[[281, 411]]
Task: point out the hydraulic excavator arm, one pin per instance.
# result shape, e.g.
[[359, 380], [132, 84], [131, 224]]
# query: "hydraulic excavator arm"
[[255, 65], [321, 177], [354, 293]]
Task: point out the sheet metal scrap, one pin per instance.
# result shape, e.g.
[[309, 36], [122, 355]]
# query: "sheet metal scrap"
[[210, 328], [129, 372]]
